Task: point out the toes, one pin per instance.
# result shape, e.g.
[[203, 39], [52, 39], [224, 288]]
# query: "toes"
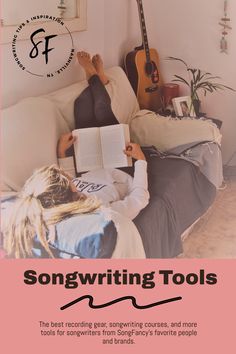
[[97, 60], [86, 55], [94, 59], [80, 55], [83, 54]]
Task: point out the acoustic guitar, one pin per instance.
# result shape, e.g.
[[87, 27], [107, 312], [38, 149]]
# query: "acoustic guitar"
[[142, 68]]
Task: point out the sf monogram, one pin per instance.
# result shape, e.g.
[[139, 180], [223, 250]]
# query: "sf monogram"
[[35, 51]]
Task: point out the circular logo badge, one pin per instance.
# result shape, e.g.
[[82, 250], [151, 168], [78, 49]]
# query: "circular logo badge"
[[49, 49]]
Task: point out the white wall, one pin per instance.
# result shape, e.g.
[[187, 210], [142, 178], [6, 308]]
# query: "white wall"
[[189, 29], [185, 28]]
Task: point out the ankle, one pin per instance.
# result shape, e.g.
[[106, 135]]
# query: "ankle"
[[93, 78], [103, 77]]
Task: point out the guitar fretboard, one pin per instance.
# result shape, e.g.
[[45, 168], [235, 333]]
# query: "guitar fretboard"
[[143, 30]]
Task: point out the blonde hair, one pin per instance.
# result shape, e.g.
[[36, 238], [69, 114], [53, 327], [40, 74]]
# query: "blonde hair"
[[46, 198]]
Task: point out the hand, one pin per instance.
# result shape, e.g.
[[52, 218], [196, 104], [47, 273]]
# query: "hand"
[[64, 143], [134, 151]]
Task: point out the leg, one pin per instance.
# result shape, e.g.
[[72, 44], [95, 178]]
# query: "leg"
[[98, 100], [98, 64], [102, 103], [83, 105], [84, 111]]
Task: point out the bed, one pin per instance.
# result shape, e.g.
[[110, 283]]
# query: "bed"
[[183, 178]]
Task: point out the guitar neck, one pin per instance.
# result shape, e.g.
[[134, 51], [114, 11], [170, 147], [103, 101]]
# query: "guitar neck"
[[143, 30]]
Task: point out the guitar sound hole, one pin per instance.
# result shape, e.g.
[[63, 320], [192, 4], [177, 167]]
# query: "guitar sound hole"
[[152, 71], [149, 68]]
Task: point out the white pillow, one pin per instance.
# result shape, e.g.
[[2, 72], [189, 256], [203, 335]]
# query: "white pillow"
[[30, 130], [64, 100], [165, 133], [123, 100]]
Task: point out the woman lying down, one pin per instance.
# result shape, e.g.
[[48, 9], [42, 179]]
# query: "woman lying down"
[[51, 195]]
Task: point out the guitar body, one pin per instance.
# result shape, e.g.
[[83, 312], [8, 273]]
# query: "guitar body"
[[147, 92], [142, 68]]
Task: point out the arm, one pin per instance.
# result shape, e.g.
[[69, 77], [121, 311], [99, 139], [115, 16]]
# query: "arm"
[[66, 162], [138, 196]]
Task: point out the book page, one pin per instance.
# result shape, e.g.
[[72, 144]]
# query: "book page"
[[113, 141], [87, 146]]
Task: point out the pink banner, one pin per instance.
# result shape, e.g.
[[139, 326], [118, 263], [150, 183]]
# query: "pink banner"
[[179, 305]]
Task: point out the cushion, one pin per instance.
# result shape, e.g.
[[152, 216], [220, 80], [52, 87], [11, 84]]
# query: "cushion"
[[64, 100], [118, 88], [165, 133], [82, 236], [30, 130], [123, 100]]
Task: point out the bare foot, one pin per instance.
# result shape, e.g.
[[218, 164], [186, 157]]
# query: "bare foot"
[[86, 63], [98, 64]]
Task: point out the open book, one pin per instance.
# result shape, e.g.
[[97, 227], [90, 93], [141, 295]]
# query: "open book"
[[101, 147]]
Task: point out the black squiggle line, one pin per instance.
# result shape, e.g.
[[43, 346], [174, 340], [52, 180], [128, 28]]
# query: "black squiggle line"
[[132, 298]]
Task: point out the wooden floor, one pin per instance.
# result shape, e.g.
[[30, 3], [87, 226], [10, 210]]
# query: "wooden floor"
[[214, 236]]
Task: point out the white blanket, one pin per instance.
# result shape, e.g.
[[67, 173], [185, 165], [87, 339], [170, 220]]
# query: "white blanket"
[[129, 243]]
